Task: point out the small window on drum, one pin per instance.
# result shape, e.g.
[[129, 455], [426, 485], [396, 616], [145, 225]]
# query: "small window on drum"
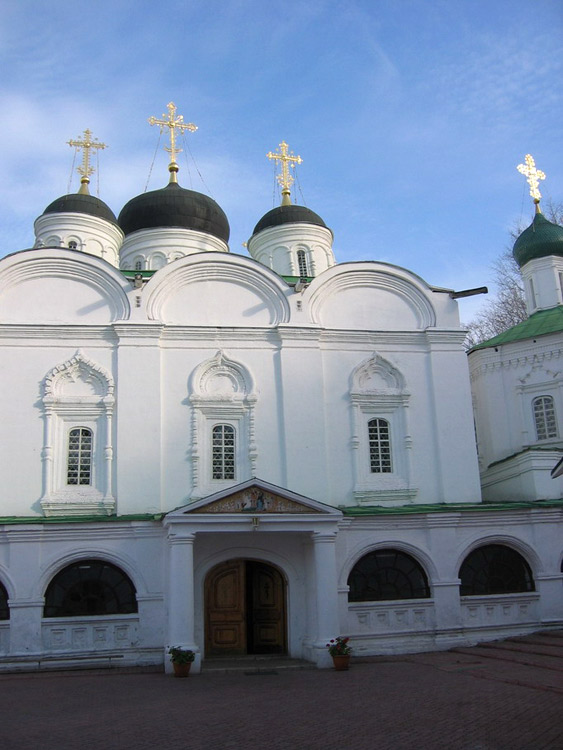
[[495, 569], [223, 451], [90, 588], [4, 609], [73, 245], [302, 264], [79, 466], [387, 574]]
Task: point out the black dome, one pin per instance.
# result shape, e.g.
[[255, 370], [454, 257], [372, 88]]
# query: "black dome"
[[80, 203], [288, 215], [174, 206]]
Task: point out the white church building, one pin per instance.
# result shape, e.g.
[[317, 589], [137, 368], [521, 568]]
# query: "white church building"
[[249, 455]]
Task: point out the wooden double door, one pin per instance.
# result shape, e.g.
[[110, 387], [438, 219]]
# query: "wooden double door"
[[244, 609]]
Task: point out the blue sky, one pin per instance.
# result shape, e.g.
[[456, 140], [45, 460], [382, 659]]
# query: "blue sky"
[[410, 115]]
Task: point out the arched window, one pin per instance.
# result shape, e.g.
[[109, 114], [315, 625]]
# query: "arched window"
[[79, 466], [544, 417], [73, 245], [302, 264], [138, 265], [495, 569], [4, 609], [90, 588], [387, 574], [379, 446], [223, 451]]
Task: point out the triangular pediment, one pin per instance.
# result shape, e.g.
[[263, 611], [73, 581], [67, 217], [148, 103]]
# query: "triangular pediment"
[[256, 497]]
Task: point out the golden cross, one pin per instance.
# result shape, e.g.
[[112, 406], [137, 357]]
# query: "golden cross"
[[172, 123], [85, 169], [287, 159], [533, 176]]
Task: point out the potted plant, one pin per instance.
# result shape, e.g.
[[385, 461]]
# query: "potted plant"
[[340, 651], [181, 659]]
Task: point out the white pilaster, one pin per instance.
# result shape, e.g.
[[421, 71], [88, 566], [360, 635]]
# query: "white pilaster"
[[326, 592]]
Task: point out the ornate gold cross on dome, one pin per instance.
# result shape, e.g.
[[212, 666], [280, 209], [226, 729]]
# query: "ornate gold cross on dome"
[[173, 123], [533, 177], [287, 159], [85, 169]]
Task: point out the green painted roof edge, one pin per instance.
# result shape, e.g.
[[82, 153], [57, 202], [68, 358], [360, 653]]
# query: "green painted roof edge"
[[130, 274], [346, 511], [295, 279], [449, 508], [537, 448], [7, 520], [540, 323]]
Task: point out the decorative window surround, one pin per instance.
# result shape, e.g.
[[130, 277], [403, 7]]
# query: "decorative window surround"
[[542, 381], [378, 391], [78, 394], [222, 393]]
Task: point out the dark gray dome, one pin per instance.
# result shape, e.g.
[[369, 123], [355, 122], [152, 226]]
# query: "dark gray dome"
[[288, 215], [80, 203], [174, 206]]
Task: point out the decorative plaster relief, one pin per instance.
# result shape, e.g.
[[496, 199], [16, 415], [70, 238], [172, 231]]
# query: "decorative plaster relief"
[[78, 394], [221, 392]]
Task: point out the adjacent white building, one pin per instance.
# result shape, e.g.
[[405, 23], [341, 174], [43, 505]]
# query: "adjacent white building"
[[252, 455]]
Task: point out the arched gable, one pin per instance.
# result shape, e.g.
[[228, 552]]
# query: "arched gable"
[[61, 287], [195, 291], [369, 296]]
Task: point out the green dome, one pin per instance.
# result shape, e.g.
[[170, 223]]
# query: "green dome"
[[540, 239]]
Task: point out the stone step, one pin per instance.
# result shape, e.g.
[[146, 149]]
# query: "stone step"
[[528, 659], [527, 647], [545, 639], [253, 665]]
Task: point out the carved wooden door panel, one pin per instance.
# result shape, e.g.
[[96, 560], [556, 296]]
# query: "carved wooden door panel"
[[266, 609], [226, 609]]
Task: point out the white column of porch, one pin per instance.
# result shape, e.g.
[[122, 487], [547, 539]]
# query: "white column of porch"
[[326, 591]]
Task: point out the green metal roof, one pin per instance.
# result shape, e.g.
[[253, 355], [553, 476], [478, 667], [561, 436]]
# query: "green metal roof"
[[450, 508], [539, 324], [9, 520]]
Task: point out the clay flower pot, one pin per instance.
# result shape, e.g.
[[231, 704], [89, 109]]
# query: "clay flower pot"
[[181, 670], [341, 663]]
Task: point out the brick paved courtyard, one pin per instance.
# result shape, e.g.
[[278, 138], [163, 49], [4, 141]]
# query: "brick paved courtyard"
[[441, 700]]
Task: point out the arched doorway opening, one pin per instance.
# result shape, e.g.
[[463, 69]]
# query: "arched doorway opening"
[[245, 611]]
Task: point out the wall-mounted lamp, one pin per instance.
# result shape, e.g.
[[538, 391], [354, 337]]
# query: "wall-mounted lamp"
[[255, 523]]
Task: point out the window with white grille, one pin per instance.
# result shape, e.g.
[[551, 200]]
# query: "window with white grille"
[[544, 417], [79, 466], [379, 446], [223, 451]]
